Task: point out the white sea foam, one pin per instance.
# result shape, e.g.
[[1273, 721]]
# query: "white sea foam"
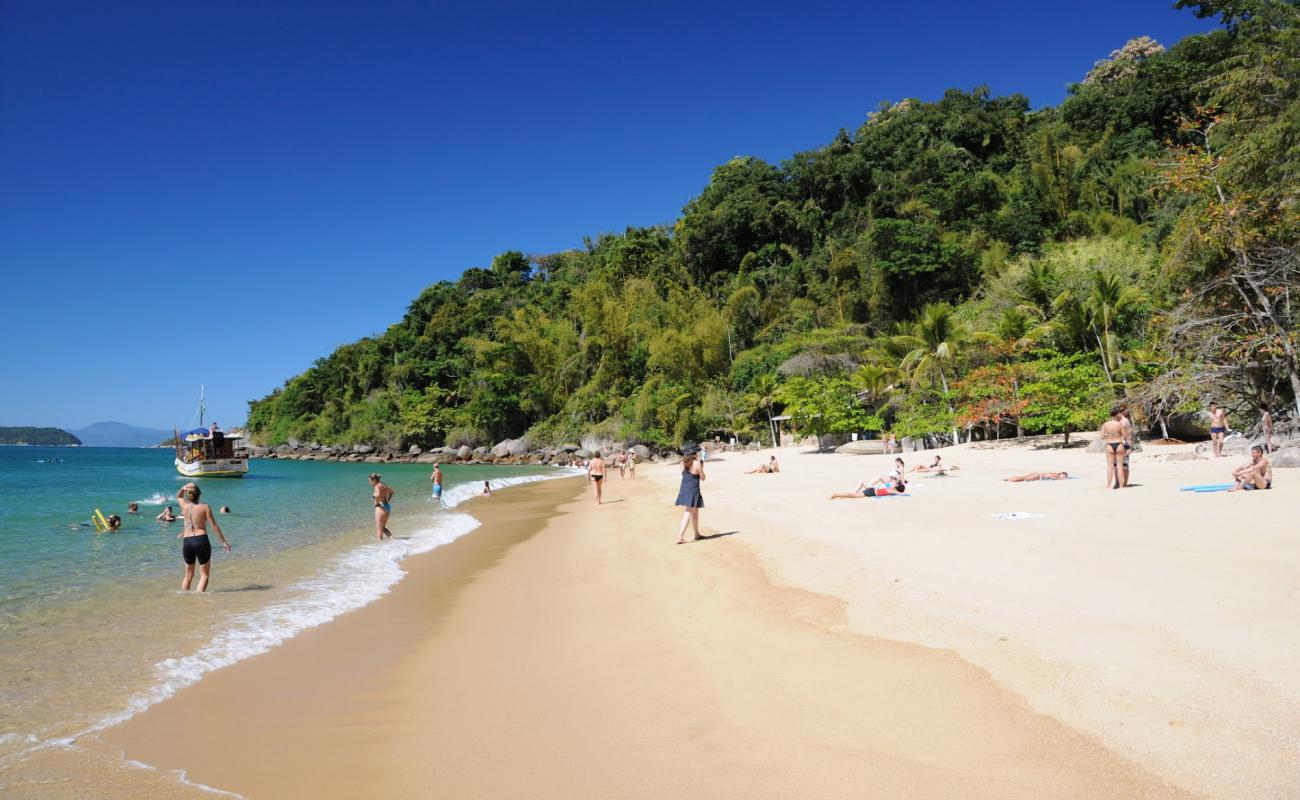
[[352, 580], [157, 499]]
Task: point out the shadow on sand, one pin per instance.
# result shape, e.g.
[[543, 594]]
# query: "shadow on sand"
[[709, 536]]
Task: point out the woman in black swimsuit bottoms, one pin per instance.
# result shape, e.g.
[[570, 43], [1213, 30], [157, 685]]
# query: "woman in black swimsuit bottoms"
[[195, 546]]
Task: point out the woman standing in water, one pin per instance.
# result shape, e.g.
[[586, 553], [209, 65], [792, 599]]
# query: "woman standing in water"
[[195, 545], [383, 497], [689, 497]]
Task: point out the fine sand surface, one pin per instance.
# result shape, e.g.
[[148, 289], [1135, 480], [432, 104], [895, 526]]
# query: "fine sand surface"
[[565, 650]]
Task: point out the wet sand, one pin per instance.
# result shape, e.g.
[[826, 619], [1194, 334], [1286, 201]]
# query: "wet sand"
[[564, 650]]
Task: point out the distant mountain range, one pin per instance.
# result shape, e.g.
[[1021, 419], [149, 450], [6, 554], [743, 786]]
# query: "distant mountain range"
[[37, 436], [119, 434]]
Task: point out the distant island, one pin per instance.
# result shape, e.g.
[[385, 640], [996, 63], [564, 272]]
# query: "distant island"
[[119, 434], [38, 436]]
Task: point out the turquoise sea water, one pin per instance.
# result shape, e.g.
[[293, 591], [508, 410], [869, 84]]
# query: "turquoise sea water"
[[93, 627]]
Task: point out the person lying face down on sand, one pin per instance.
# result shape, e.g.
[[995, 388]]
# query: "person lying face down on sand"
[[1038, 476], [937, 467], [1256, 474], [765, 469], [865, 490]]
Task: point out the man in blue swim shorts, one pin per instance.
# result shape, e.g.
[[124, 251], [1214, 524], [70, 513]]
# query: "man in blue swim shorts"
[[436, 477], [1218, 427]]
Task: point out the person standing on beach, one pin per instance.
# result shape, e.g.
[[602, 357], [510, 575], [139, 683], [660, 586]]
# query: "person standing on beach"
[[1266, 427], [436, 477], [631, 465], [1218, 427], [596, 471], [195, 545], [1128, 441], [689, 498], [1112, 434], [382, 495]]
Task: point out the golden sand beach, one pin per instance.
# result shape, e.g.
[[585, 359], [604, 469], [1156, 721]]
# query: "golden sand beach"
[[1136, 643]]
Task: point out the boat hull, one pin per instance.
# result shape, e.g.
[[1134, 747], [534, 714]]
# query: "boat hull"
[[213, 468]]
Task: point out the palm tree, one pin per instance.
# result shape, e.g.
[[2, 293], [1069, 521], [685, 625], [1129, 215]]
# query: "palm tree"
[[1109, 295], [761, 397], [1039, 286], [933, 339]]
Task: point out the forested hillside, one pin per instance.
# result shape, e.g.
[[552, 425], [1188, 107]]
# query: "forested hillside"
[[966, 266], [38, 436]]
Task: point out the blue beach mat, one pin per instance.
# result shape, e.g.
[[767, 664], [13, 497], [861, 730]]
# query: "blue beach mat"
[[1206, 488]]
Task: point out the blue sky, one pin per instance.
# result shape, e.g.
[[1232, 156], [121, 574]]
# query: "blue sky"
[[305, 168]]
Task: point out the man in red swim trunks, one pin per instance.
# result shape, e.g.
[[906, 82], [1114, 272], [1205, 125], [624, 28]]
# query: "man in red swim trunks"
[[865, 490]]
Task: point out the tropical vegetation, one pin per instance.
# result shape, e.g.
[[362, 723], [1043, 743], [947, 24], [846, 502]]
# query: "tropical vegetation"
[[967, 267]]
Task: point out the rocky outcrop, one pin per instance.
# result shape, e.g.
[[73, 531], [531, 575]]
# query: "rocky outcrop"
[[519, 451]]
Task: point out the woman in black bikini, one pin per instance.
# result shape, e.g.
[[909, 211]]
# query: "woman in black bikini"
[[195, 545]]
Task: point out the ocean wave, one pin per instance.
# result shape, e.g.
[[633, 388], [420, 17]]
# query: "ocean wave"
[[352, 580], [453, 497]]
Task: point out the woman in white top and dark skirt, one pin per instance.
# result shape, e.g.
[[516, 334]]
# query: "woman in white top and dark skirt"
[[689, 497]]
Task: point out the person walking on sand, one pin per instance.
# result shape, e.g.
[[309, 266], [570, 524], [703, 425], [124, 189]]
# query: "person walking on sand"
[[1218, 427], [620, 461], [195, 545], [631, 465], [382, 495], [596, 471], [689, 498], [436, 477], [1112, 433]]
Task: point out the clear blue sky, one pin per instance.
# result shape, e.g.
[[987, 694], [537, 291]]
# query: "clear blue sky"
[[308, 167]]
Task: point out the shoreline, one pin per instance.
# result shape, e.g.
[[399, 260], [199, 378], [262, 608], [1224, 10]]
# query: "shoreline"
[[570, 651]]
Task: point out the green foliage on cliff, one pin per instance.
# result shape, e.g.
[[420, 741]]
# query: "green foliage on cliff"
[[896, 276], [38, 436]]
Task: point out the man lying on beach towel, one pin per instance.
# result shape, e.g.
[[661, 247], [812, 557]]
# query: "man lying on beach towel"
[[1038, 476], [1257, 474], [865, 490]]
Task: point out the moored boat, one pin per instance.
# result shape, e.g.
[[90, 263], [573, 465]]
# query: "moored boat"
[[208, 452]]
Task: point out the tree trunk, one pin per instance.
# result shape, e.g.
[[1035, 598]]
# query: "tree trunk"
[[944, 382], [771, 427], [1164, 429], [1067, 438]]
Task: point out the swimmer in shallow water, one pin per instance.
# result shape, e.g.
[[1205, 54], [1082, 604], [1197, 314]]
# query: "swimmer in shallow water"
[[133, 508], [167, 515]]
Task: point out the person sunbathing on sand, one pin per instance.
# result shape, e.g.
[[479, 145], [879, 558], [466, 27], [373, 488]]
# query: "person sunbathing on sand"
[[1257, 474], [872, 490], [1038, 476], [937, 467], [765, 469]]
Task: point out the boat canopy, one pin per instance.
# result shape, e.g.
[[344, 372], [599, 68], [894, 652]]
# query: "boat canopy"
[[203, 433]]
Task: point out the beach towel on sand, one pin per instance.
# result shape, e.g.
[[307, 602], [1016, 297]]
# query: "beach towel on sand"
[[1017, 515], [1209, 487]]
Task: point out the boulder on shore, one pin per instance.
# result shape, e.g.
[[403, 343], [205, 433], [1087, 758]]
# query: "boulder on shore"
[[503, 448], [363, 449], [640, 452], [464, 453], [1288, 458], [414, 450], [374, 460]]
